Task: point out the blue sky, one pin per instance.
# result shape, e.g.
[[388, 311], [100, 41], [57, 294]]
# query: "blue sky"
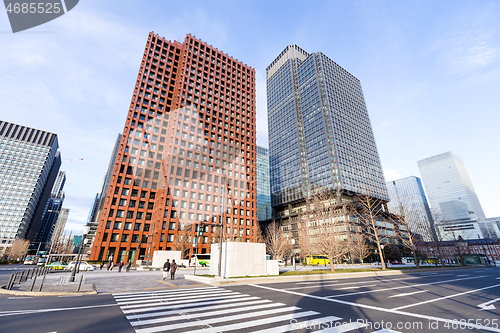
[[430, 73]]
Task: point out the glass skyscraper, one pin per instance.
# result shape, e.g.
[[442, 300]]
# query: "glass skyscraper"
[[408, 198], [264, 210], [320, 136], [449, 188], [29, 164]]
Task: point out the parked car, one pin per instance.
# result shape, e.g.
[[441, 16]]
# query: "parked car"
[[395, 262], [281, 263], [84, 266], [58, 265]]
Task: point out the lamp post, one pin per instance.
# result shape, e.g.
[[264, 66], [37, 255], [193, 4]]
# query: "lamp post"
[[86, 230], [293, 253]]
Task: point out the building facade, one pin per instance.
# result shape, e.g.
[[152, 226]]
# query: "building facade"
[[320, 136], [407, 197], [51, 212], [449, 189], [29, 164], [264, 209], [186, 157]]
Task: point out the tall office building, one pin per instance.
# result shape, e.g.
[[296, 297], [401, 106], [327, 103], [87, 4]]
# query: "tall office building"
[[98, 204], [408, 198], [320, 136], [51, 212], [59, 226], [29, 164], [264, 209], [449, 188], [187, 155]]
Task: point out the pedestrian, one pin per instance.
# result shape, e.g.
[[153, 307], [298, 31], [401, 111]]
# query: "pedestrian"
[[102, 265], [120, 266], [173, 268], [128, 265], [109, 265], [166, 268], [112, 265]]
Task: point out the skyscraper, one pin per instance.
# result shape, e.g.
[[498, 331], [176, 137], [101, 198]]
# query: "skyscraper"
[[187, 155], [264, 210], [408, 198], [29, 164], [320, 136], [449, 188], [51, 212]]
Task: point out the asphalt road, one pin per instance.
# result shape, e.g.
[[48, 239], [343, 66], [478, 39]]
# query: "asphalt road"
[[449, 301]]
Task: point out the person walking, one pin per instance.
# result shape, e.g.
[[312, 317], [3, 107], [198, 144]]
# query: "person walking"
[[128, 265], [120, 266], [173, 268], [112, 265], [166, 268], [109, 265], [102, 265]]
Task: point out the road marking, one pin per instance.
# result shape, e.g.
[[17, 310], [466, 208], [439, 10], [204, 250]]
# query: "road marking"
[[487, 306], [357, 287], [258, 322], [18, 297], [403, 287], [204, 314], [196, 308], [221, 319], [408, 294], [180, 286], [445, 297], [189, 305], [300, 325], [23, 312], [349, 283], [345, 327], [171, 285], [167, 296], [462, 275], [403, 313], [160, 305], [149, 292]]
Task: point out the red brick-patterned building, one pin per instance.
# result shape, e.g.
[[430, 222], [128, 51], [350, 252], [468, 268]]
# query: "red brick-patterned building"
[[187, 155]]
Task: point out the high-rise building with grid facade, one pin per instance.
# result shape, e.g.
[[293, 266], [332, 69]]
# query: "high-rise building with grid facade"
[[408, 198], [187, 155], [29, 164], [264, 209], [449, 188], [320, 136]]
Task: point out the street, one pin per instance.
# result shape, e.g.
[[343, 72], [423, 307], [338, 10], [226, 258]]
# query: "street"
[[448, 301]]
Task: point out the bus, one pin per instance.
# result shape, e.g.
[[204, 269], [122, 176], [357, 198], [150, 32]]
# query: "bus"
[[317, 260], [202, 260]]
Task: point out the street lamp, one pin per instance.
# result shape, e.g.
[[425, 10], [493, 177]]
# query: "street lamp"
[[293, 253], [86, 230]]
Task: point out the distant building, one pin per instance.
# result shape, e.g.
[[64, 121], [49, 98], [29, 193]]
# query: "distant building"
[[60, 225], [453, 200], [29, 164], [98, 204], [408, 198], [449, 188], [51, 212], [264, 210]]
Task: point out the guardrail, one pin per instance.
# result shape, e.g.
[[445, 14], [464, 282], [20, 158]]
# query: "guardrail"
[[20, 277]]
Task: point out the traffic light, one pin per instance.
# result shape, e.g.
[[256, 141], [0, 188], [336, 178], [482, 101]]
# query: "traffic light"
[[200, 230]]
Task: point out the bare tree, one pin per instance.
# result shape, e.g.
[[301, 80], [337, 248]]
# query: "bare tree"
[[402, 228], [182, 241], [306, 241], [326, 227], [433, 234], [18, 249], [277, 243], [359, 247], [370, 215]]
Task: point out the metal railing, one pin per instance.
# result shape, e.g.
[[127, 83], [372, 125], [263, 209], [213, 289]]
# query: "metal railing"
[[23, 276]]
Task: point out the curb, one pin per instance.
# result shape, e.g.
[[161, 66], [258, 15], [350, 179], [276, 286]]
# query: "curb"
[[47, 293], [217, 281]]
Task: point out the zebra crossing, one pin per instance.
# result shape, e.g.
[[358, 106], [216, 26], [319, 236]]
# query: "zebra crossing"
[[214, 309]]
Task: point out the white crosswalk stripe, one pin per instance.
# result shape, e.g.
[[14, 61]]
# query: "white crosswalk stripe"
[[214, 309]]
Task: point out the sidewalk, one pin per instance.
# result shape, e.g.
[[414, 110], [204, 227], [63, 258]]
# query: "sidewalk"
[[56, 284]]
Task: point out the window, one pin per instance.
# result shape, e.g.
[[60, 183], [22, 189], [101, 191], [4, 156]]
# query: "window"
[[171, 226], [146, 227], [114, 237], [137, 227], [127, 226], [122, 202], [120, 213], [117, 225], [124, 238]]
